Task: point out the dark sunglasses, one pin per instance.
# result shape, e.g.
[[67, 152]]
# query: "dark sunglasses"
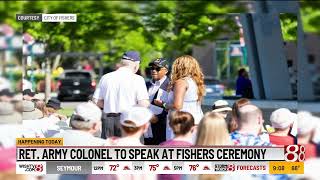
[[155, 68]]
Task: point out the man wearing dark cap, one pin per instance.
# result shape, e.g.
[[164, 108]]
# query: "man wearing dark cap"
[[54, 103], [120, 90], [157, 88], [52, 107], [28, 94], [6, 95]]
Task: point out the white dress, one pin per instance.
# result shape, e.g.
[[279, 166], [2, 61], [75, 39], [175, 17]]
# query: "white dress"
[[190, 105]]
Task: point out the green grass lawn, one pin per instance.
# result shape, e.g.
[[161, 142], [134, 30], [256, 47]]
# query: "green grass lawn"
[[66, 111]]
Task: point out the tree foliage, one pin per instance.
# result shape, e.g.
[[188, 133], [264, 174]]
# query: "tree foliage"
[[289, 26], [155, 28], [8, 11], [310, 13], [158, 28]]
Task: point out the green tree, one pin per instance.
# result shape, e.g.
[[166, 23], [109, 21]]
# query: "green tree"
[[289, 26], [310, 13], [164, 28], [8, 11], [180, 27]]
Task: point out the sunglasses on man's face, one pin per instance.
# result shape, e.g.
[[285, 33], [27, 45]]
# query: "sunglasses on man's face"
[[155, 68]]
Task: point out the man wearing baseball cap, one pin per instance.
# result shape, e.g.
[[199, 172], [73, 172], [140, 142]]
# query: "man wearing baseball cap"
[[28, 94], [157, 88], [6, 95], [134, 123], [119, 91], [85, 123]]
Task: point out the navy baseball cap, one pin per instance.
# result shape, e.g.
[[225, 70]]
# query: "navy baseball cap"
[[28, 92], [54, 103], [6, 92], [160, 62], [131, 55]]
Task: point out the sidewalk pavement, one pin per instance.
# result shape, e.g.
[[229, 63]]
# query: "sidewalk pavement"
[[275, 104]]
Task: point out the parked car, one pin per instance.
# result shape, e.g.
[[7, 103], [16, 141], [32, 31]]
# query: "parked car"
[[214, 88], [76, 84]]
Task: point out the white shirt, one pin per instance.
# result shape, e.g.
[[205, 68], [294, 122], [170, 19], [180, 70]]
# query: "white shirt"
[[4, 84], [79, 138], [155, 109], [96, 95], [47, 126], [9, 133], [26, 84], [121, 90], [190, 105], [155, 86]]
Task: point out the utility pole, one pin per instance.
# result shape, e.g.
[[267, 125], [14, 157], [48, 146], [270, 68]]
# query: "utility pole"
[[2, 63], [48, 79], [228, 60]]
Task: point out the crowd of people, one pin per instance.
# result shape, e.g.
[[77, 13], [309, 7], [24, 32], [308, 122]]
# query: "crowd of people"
[[127, 111]]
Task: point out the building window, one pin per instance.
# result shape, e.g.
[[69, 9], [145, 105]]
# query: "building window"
[[289, 62], [311, 59]]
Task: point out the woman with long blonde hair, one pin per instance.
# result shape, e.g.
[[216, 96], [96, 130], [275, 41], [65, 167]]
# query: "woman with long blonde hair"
[[213, 131], [186, 89]]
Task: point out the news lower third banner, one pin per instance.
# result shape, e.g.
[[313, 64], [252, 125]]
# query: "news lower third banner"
[[47, 159]]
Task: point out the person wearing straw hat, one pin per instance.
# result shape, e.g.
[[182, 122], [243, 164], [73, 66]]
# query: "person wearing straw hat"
[[221, 107], [282, 121]]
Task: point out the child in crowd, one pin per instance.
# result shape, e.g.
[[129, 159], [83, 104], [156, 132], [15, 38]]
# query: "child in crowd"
[[182, 124]]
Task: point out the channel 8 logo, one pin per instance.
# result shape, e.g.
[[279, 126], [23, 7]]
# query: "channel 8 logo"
[[294, 153], [31, 167], [39, 168], [231, 167]]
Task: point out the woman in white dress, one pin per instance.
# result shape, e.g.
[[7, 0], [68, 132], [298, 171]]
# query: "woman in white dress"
[[186, 89]]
